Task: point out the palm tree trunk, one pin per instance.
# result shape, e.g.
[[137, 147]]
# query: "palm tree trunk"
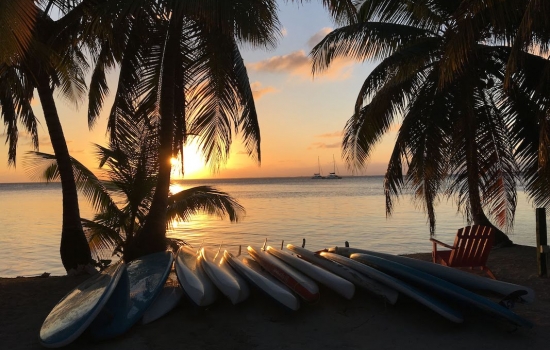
[[75, 252], [152, 237], [472, 168]]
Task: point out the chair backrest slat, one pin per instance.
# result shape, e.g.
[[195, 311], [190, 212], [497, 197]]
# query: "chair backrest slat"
[[472, 246]]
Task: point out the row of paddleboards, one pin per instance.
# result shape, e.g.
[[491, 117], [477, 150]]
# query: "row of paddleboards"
[[109, 303]]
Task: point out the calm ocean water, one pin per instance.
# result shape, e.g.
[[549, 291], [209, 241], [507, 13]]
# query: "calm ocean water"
[[324, 212]]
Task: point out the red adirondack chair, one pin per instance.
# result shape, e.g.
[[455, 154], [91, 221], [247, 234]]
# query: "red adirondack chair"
[[471, 249]]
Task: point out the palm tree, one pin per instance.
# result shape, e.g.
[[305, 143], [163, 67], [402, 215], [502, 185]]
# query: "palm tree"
[[462, 137], [51, 61], [124, 200], [181, 72], [522, 25]]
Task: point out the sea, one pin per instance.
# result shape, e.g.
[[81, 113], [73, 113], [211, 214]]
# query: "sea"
[[324, 213]]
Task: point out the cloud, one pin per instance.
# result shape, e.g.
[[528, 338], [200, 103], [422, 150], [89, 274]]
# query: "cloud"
[[293, 62], [258, 90], [297, 63], [284, 32], [322, 145], [332, 134], [317, 37], [45, 141]]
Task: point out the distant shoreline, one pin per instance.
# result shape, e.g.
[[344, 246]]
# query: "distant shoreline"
[[208, 179]]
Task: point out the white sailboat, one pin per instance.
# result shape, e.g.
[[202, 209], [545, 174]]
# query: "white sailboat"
[[332, 175], [318, 175]]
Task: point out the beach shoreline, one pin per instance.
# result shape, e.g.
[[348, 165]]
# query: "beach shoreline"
[[333, 322]]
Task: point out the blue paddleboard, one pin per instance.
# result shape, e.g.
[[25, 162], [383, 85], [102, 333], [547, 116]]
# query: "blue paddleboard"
[[461, 278], [74, 313], [146, 278], [445, 289], [445, 310]]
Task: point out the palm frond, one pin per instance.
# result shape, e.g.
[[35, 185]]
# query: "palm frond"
[[364, 129], [342, 11], [17, 20], [426, 14], [102, 239], [203, 199], [255, 22], [99, 89], [213, 97], [248, 121], [364, 41], [43, 166], [16, 94]]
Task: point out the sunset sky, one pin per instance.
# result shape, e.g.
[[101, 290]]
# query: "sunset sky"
[[301, 118]]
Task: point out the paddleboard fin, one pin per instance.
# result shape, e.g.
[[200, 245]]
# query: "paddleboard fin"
[[200, 247], [510, 300], [218, 252]]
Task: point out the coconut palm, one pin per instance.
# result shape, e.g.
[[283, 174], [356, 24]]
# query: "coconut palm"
[[124, 199], [522, 25], [181, 72], [50, 63], [463, 137]]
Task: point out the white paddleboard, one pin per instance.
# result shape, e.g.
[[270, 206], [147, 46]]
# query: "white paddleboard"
[[77, 310], [427, 300], [341, 286], [227, 280], [253, 272], [299, 283], [446, 289], [194, 281], [357, 278], [456, 276]]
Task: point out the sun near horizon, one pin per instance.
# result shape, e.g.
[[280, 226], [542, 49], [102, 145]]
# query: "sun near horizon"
[[193, 165]]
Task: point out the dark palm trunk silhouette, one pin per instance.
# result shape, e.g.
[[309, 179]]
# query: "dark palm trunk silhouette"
[[152, 237], [74, 246]]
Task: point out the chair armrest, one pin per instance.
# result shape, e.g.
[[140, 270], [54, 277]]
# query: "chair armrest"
[[441, 243]]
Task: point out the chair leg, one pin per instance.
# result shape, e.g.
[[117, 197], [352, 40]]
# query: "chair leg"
[[488, 272]]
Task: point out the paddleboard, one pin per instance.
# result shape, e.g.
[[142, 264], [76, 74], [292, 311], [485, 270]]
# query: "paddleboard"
[[456, 276], [264, 281], [443, 288], [299, 283], [76, 311], [427, 300], [233, 286], [341, 286], [195, 283], [390, 295], [168, 299], [146, 277]]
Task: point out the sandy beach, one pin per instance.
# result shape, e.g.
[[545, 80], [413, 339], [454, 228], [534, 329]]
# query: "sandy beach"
[[333, 322]]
